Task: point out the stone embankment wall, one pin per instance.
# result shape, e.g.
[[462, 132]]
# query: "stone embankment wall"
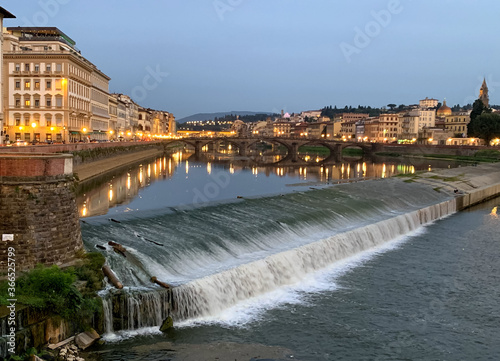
[[478, 196], [38, 328], [38, 208], [85, 152]]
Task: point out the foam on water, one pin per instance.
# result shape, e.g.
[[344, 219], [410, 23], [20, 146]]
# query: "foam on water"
[[239, 296]]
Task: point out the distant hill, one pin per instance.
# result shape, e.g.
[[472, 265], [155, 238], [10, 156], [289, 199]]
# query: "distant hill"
[[211, 116]]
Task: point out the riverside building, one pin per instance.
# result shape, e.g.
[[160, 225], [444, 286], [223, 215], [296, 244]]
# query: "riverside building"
[[51, 92], [4, 14]]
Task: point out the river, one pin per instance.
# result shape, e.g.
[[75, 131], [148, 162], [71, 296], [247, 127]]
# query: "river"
[[285, 263]]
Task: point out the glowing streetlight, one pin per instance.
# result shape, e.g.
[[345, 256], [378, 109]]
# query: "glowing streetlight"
[[33, 125]]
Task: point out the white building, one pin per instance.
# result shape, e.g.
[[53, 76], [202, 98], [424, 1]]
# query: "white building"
[[429, 103]]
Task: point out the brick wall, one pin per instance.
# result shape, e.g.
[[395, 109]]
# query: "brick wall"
[[38, 206], [40, 165]]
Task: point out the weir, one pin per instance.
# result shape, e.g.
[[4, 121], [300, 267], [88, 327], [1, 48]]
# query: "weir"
[[212, 294]]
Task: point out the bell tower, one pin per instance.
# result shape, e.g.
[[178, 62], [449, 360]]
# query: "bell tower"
[[483, 94]]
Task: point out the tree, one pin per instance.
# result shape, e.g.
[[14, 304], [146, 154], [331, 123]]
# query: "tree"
[[392, 106], [485, 126], [477, 109]]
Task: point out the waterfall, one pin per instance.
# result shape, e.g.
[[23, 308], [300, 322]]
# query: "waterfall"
[[212, 294], [133, 310]]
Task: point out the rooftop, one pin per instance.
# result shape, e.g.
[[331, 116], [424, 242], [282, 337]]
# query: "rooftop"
[[6, 14], [40, 33]]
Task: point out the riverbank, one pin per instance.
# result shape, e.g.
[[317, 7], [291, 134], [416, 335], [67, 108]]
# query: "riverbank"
[[472, 184], [466, 179], [86, 171]]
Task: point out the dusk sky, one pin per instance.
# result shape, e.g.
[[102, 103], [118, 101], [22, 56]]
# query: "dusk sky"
[[268, 55]]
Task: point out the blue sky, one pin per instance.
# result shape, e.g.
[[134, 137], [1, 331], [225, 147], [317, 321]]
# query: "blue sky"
[[268, 55]]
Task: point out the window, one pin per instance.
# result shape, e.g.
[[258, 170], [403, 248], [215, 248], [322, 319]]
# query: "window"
[[48, 102], [27, 103], [18, 84], [26, 67], [58, 84], [27, 85], [49, 122], [18, 136], [48, 85], [59, 101], [37, 103], [18, 67], [48, 67], [27, 137], [37, 84], [18, 102], [18, 122], [59, 67], [37, 68]]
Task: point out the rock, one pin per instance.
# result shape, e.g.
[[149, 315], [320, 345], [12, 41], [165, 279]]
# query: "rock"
[[86, 339], [167, 323]]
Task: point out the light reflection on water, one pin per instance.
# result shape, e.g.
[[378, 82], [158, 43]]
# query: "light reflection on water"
[[184, 174]]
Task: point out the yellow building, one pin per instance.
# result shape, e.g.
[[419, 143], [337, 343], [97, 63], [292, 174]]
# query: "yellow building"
[[51, 92], [457, 124]]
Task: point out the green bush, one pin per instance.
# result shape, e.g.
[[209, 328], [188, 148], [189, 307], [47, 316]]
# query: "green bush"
[[54, 290], [49, 288], [90, 272]]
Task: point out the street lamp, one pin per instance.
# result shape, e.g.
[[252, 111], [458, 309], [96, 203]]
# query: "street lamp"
[[33, 125]]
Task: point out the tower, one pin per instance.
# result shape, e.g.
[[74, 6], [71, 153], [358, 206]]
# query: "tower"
[[483, 94]]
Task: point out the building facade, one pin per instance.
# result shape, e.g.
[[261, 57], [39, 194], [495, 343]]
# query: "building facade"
[[457, 124], [99, 101], [4, 14], [428, 103], [50, 88]]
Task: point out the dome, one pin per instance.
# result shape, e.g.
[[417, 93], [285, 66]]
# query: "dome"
[[444, 110]]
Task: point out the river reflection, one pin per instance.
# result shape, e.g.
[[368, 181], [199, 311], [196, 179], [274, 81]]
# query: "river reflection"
[[179, 180]]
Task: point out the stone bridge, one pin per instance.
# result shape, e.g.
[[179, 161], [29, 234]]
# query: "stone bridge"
[[292, 145]]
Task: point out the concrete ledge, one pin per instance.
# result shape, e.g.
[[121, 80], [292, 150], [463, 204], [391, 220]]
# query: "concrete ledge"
[[478, 196], [35, 165]]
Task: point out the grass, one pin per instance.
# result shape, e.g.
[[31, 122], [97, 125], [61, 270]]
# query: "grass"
[[448, 179], [388, 154], [485, 155], [70, 293], [478, 157], [314, 149], [353, 151]]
